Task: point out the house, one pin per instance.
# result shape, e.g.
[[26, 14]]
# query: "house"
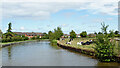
[[78, 35], [29, 34], [65, 36], [91, 35]]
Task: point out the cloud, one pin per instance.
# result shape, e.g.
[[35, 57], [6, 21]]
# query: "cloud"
[[59, 0], [22, 28], [43, 10], [69, 14]]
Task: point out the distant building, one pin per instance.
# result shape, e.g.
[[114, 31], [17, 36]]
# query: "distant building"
[[65, 36], [91, 35], [29, 34], [78, 36]]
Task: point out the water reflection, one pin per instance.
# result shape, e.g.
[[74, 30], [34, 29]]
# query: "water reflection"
[[9, 51], [54, 45], [44, 53]]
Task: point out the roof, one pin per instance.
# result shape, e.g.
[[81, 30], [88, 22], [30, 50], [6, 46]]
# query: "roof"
[[29, 33]]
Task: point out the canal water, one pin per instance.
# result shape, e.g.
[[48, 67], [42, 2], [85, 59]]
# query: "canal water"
[[43, 53]]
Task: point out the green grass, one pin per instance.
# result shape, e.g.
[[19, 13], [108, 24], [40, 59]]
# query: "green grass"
[[74, 43], [54, 41], [88, 47], [14, 42]]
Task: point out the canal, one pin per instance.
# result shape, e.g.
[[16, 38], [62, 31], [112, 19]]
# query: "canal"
[[43, 53]]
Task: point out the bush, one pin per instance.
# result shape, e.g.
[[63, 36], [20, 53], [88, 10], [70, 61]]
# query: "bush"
[[72, 34], [26, 38], [33, 38], [54, 41], [83, 34], [104, 48]]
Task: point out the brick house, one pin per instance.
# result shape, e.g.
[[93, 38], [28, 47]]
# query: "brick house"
[[29, 34]]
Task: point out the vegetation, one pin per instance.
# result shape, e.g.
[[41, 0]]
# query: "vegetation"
[[45, 36], [104, 47], [9, 36], [9, 27], [56, 35], [72, 34], [83, 34]]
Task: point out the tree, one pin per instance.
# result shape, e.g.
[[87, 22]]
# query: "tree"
[[9, 27], [58, 33], [45, 36], [111, 34], [33, 38], [38, 37], [95, 33], [99, 32], [1, 33], [116, 32], [104, 47], [83, 34], [104, 28], [72, 34]]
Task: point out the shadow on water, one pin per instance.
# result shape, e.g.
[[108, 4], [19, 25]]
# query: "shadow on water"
[[9, 51], [54, 45]]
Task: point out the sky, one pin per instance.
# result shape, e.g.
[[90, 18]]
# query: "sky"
[[38, 16]]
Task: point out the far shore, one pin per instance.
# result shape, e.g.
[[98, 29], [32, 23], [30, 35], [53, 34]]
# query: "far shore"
[[18, 42]]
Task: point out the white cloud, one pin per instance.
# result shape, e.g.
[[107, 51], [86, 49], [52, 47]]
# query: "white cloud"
[[22, 28], [58, 0], [43, 10]]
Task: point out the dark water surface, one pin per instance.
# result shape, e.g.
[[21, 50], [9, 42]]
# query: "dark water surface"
[[43, 53]]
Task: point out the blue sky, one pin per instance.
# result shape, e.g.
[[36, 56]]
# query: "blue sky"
[[42, 17]]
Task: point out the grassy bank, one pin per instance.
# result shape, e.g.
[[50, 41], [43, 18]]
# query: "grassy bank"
[[21, 41], [86, 47]]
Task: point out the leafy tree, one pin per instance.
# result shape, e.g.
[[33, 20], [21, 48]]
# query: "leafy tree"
[[1, 32], [50, 34], [33, 38], [104, 28], [83, 34], [95, 33], [104, 47], [111, 34], [38, 37], [46, 36], [99, 32], [116, 32], [72, 34], [26, 38], [58, 33], [9, 27]]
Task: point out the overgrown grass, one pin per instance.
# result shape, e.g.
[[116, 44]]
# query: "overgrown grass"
[[88, 47]]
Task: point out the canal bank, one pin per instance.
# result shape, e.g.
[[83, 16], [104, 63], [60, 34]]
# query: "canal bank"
[[83, 51], [45, 53], [18, 42]]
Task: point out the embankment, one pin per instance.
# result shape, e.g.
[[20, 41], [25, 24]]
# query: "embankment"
[[13, 43], [87, 52]]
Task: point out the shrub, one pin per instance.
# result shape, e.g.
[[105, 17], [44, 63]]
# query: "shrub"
[[72, 34], [33, 38], [26, 38], [83, 34], [104, 48]]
